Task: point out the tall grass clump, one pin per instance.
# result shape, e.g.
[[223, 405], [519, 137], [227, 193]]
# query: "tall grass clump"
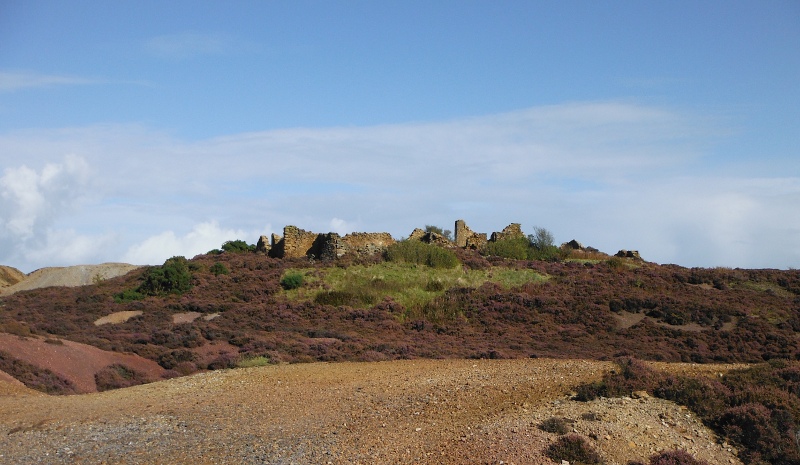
[[515, 248], [420, 253]]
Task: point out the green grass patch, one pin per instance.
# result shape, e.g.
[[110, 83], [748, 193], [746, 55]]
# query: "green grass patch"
[[768, 287], [251, 362], [412, 286]]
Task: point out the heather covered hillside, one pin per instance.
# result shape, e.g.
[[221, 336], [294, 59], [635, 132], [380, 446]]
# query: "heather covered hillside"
[[239, 307], [426, 298]]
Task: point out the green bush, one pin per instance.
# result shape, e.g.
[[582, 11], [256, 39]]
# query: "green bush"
[[292, 281], [549, 253], [218, 269], [421, 253], [446, 233], [515, 248], [238, 246], [541, 239], [173, 277], [128, 295]]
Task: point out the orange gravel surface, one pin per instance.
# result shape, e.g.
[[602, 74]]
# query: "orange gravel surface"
[[419, 411]]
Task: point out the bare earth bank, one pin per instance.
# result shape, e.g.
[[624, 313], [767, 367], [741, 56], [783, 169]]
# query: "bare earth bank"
[[419, 411]]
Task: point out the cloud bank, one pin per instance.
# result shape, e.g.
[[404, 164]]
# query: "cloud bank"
[[610, 174]]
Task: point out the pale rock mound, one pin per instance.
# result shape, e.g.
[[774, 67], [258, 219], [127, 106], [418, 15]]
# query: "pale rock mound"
[[70, 276], [9, 276]]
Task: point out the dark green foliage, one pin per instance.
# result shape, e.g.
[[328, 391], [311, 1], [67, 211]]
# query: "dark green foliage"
[[556, 425], [173, 277], [118, 376], [446, 233], [238, 246], [292, 281], [541, 239], [434, 285], [40, 379], [420, 253], [128, 295], [218, 269], [548, 254], [675, 457], [515, 248], [575, 449], [542, 246]]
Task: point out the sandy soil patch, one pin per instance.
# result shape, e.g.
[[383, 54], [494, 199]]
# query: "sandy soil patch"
[[418, 411], [117, 317], [187, 317]]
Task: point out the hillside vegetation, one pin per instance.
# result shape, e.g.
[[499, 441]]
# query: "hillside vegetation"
[[239, 308], [375, 309]]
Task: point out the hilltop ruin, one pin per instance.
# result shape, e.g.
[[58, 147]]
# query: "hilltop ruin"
[[298, 243]]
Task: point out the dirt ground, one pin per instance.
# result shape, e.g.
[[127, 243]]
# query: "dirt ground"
[[419, 411]]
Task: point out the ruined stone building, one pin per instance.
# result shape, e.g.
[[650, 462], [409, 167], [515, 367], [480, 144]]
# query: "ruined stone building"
[[297, 242]]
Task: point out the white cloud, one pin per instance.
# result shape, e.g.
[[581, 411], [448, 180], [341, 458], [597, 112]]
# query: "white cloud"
[[188, 44], [30, 201], [610, 174], [202, 238], [340, 226], [12, 81]]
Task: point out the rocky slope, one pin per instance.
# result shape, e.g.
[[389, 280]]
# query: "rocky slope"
[[9, 276], [421, 411]]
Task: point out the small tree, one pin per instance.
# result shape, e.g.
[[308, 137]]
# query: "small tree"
[[542, 245], [173, 277], [238, 246], [446, 233], [541, 238]]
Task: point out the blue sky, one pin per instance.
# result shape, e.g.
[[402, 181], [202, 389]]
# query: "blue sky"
[[134, 131]]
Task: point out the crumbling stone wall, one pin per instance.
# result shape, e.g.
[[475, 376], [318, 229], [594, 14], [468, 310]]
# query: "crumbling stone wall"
[[263, 246], [297, 243], [362, 243], [511, 231], [430, 237], [628, 254], [332, 247], [467, 238]]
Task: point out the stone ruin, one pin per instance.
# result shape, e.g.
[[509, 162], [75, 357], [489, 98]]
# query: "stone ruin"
[[467, 238], [628, 254], [575, 245], [298, 243]]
